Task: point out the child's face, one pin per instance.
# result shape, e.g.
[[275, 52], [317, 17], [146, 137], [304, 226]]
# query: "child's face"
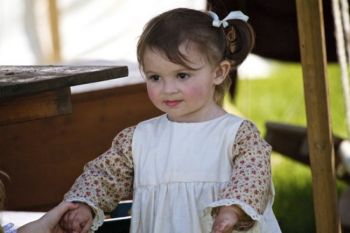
[[186, 95]]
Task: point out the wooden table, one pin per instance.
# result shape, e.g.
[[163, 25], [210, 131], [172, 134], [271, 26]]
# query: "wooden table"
[[35, 92]]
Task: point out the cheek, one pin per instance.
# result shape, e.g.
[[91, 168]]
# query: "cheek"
[[153, 93], [197, 92]]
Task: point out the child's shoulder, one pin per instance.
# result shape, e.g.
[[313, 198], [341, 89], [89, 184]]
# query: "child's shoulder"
[[125, 133], [236, 120], [235, 117], [152, 122], [129, 131], [244, 124]]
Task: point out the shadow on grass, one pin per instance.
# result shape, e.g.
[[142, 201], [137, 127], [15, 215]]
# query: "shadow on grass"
[[294, 207], [293, 204]]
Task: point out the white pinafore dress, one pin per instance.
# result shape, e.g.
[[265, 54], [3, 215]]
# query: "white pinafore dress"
[[180, 169]]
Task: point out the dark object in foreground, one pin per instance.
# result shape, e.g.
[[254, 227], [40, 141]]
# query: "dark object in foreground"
[[115, 225], [119, 221], [291, 140]]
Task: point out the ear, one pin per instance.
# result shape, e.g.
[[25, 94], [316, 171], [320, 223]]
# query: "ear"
[[221, 72]]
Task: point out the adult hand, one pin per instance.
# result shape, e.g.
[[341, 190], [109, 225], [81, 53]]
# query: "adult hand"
[[78, 220], [49, 222]]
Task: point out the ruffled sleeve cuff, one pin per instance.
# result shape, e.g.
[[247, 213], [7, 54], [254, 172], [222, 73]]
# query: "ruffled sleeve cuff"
[[99, 214], [209, 212]]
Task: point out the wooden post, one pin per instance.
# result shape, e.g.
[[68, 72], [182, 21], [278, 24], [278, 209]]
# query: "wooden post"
[[54, 29], [314, 64]]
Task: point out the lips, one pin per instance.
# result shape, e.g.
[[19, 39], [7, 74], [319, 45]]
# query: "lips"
[[172, 103]]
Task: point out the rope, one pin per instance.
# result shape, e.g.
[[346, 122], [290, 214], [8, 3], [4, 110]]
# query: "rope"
[[346, 22], [341, 21]]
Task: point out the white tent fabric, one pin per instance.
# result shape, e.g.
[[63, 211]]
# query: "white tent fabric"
[[88, 29]]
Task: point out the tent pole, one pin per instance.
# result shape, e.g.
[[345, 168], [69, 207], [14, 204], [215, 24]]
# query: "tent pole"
[[314, 64], [54, 29]]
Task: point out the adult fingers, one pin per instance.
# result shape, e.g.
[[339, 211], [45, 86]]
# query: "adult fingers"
[[63, 207], [75, 222], [64, 222], [86, 227], [56, 213]]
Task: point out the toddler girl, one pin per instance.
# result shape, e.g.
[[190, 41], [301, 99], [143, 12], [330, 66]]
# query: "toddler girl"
[[195, 169]]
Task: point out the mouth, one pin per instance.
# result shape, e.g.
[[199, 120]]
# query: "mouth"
[[172, 103]]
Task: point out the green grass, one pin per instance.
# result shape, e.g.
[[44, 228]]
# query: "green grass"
[[293, 202], [280, 98]]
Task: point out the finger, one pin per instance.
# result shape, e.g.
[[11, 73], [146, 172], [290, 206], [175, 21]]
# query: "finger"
[[62, 224], [65, 221], [55, 214], [218, 227], [87, 227], [70, 220], [75, 222], [224, 228], [63, 207]]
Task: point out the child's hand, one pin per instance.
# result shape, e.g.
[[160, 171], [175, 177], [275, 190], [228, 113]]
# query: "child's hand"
[[78, 220], [225, 220]]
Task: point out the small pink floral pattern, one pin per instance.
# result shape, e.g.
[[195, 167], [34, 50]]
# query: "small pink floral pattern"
[[109, 178], [251, 174]]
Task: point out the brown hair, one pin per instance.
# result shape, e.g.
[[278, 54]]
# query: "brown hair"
[[167, 31]]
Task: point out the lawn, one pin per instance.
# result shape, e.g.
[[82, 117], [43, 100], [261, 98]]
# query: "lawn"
[[279, 97]]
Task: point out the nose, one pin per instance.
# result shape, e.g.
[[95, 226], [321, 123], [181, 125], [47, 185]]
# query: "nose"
[[170, 87]]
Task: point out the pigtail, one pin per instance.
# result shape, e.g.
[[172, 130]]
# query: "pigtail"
[[240, 40]]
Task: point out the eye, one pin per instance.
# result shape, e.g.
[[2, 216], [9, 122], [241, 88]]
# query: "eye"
[[154, 78], [183, 76]]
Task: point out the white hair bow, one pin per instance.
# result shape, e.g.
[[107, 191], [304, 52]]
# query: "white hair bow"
[[232, 15]]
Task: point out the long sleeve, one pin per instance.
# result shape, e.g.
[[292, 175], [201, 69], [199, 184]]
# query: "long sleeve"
[[251, 173], [107, 179], [250, 184]]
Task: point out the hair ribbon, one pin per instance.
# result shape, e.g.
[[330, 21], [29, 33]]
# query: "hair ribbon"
[[232, 15]]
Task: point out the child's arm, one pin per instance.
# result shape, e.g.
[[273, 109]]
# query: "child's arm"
[[107, 179], [250, 188]]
